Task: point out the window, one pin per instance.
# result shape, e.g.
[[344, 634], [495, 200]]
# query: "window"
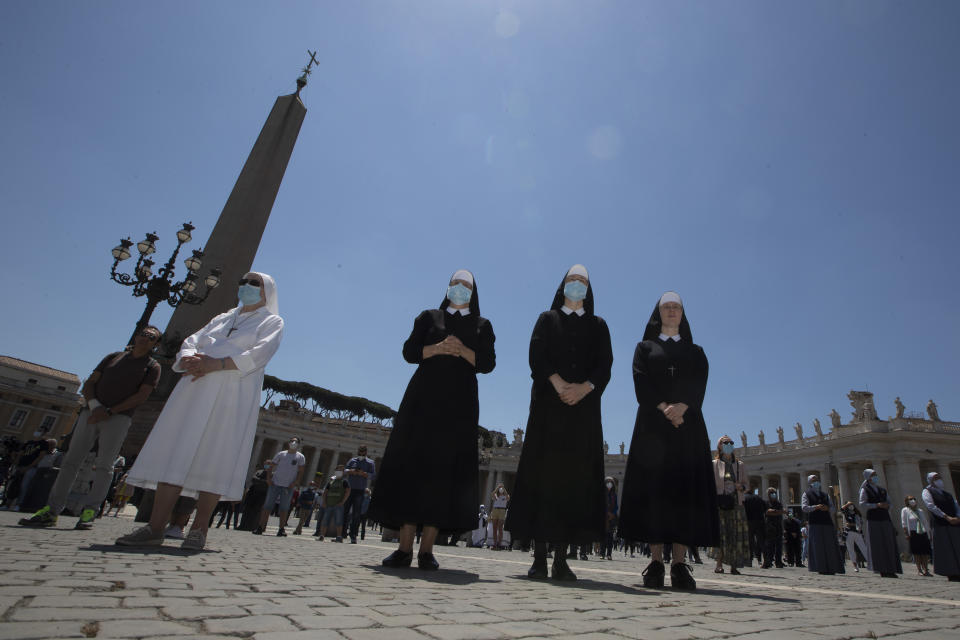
[[32, 381], [60, 387], [18, 417], [54, 407], [47, 424]]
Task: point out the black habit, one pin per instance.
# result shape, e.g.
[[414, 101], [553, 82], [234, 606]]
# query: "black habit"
[[559, 494], [429, 472], [669, 492]]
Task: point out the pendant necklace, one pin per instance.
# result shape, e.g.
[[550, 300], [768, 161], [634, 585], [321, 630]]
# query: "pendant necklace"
[[237, 325]]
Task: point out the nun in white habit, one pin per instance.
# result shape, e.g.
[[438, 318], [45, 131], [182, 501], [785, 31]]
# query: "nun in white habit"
[[200, 445]]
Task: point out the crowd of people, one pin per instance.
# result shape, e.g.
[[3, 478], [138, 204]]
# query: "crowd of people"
[[676, 497]]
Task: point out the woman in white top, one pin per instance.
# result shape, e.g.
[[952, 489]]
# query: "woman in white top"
[[200, 445], [499, 514], [915, 526]]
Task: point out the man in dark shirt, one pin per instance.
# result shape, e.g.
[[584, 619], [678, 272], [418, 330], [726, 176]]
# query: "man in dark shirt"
[[358, 472], [755, 508], [122, 381]]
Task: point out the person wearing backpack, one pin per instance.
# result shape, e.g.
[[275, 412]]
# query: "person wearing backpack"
[[335, 495], [120, 383]]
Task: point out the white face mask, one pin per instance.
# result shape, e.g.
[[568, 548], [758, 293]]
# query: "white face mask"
[[294, 445], [773, 496], [609, 485]]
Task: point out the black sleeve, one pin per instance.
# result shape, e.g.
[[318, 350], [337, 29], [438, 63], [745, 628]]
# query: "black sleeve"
[[647, 395], [695, 387], [413, 347], [603, 357], [486, 357], [541, 365]]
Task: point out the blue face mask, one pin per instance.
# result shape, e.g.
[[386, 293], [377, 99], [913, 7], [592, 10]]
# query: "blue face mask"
[[727, 448], [575, 290], [458, 294], [248, 294], [874, 480], [815, 485]]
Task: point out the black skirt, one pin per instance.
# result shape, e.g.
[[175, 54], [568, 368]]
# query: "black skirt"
[[920, 544]]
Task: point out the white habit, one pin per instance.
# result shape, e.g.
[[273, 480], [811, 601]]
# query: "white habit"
[[203, 439]]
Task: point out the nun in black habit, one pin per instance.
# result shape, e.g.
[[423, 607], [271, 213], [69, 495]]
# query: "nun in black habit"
[[429, 472], [669, 492], [823, 552], [559, 494]]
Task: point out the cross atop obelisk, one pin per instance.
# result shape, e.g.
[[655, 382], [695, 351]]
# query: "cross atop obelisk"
[[302, 80]]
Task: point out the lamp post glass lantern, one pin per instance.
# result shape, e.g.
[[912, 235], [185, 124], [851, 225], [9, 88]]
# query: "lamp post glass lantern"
[[161, 286]]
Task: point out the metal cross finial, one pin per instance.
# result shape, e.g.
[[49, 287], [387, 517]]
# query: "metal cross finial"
[[302, 80]]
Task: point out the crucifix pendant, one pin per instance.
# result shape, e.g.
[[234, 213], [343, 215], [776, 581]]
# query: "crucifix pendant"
[[672, 369], [230, 333]]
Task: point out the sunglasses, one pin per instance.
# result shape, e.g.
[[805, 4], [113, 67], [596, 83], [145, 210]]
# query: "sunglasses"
[[149, 334], [250, 281]]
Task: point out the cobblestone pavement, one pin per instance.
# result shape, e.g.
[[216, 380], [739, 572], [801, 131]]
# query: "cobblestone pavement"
[[60, 583]]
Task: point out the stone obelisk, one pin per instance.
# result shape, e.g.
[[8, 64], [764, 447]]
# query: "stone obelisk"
[[233, 243]]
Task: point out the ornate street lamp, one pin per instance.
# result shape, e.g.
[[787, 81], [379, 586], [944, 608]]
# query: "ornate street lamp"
[[160, 287]]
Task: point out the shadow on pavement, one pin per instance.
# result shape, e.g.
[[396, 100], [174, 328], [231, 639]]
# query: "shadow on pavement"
[[144, 551], [582, 583], [723, 593], [440, 576]]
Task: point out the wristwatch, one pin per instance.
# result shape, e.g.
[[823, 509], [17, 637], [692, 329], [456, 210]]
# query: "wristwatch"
[[109, 411]]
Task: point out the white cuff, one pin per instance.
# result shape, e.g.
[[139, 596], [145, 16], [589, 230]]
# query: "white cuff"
[[93, 404]]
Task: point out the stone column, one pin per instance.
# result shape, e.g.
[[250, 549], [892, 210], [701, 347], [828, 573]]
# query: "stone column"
[[491, 483], [255, 456], [843, 480], [333, 464], [764, 484], [312, 467], [784, 489], [943, 468]]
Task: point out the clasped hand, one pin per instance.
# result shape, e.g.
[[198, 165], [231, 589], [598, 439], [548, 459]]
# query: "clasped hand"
[[570, 393], [199, 365], [450, 346], [673, 412]]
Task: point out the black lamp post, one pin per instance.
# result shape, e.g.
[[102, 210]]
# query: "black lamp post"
[[161, 287]]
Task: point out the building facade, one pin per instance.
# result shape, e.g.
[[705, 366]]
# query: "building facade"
[[37, 401]]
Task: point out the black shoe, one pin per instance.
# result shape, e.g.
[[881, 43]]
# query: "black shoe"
[[258, 531], [353, 541], [765, 566], [953, 578], [780, 566], [539, 569], [398, 559], [888, 575], [281, 533], [583, 556], [680, 577], [653, 575], [734, 572], [427, 562], [561, 571], [801, 566]]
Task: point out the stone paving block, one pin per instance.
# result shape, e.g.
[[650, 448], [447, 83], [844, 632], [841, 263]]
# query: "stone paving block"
[[21, 590], [459, 632], [521, 628], [202, 612], [332, 622], [783, 634], [31, 630], [249, 624], [411, 621], [315, 634], [468, 618], [77, 601], [143, 629], [25, 614], [383, 634]]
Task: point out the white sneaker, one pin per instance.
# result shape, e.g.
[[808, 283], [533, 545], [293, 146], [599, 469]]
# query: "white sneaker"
[[174, 532]]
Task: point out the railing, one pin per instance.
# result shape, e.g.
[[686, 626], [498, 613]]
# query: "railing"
[[874, 426]]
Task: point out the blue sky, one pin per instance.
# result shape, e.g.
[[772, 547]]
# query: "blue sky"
[[790, 168]]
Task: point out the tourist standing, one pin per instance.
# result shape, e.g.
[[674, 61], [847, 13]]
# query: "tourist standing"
[[730, 475], [945, 512], [822, 550], [755, 506], [120, 383], [669, 492], [359, 472], [306, 502], [793, 540], [285, 473], [883, 557], [436, 427], [773, 530], [853, 534], [202, 440], [334, 496], [498, 514], [613, 509], [915, 527], [558, 496]]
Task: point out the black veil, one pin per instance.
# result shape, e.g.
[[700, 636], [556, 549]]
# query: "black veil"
[[655, 325], [474, 299]]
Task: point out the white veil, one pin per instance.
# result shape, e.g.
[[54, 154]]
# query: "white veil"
[[269, 293]]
